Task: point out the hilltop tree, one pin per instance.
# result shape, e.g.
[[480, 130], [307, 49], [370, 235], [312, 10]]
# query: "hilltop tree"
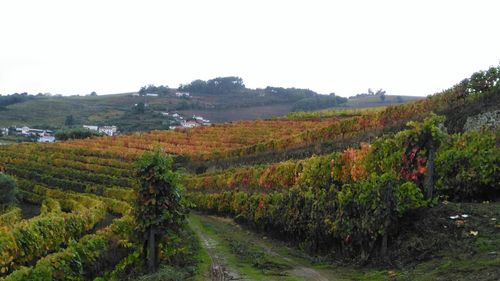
[[140, 108], [162, 90], [382, 97], [216, 86], [160, 207], [370, 93]]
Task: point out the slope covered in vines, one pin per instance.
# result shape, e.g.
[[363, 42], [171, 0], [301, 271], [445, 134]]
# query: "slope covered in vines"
[[371, 170]]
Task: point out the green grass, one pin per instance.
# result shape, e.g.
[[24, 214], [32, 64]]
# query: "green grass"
[[239, 255], [52, 111], [202, 262], [335, 112], [479, 268], [458, 256], [5, 140], [372, 101]]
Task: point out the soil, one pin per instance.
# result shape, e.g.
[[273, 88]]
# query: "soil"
[[108, 219], [29, 210]]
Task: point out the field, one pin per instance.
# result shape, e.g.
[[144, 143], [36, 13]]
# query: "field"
[[328, 195]]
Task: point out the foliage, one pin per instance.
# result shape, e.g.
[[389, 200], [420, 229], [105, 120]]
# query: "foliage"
[[294, 93], [217, 141], [140, 108], [68, 264], [160, 207], [77, 133], [419, 140], [165, 273], [38, 236], [158, 90], [351, 218], [10, 216], [69, 121], [370, 92], [216, 86], [345, 203], [318, 102], [8, 191], [15, 98], [468, 166], [159, 199]]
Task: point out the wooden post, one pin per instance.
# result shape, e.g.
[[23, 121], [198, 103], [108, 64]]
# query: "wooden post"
[[387, 222], [151, 251], [429, 177]]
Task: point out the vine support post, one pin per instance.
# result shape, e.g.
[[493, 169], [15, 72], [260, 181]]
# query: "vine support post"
[[151, 255], [387, 222], [429, 177]]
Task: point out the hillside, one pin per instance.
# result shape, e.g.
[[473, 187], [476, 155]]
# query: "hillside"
[[355, 194], [218, 105]]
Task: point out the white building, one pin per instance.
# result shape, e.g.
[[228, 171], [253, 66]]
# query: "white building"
[[91, 127], [181, 94], [4, 131], [108, 130], [23, 130], [152, 95], [46, 138], [201, 120], [189, 124]]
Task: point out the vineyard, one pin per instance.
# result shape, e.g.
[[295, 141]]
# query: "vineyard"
[[335, 183]]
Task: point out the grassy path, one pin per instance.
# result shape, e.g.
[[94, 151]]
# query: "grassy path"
[[468, 252], [237, 254]]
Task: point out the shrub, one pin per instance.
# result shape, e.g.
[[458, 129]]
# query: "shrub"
[[467, 166], [9, 192]]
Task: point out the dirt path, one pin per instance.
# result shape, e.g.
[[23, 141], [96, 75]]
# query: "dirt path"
[[239, 254], [218, 269]]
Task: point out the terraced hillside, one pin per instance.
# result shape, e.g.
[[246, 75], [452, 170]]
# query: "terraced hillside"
[[348, 202]]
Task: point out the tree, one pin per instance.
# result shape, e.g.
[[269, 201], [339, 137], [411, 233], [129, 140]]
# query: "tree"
[[381, 94], [140, 108], [8, 191], [216, 86], [76, 133], [160, 207], [70, 120], [93, 94]]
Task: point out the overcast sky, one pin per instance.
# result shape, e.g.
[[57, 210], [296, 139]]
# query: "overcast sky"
[[406, 47]]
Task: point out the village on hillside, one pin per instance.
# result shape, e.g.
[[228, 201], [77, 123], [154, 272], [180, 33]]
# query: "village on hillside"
[[47, 135], [177, 121]]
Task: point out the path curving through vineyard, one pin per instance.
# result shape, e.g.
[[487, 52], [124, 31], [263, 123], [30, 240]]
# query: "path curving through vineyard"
[[239, 254]]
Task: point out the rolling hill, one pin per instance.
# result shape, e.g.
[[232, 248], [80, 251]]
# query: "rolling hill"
[[348, 187], [218, 105]]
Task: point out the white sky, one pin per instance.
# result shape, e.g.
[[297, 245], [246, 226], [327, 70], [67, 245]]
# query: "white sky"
[[406, 47]]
